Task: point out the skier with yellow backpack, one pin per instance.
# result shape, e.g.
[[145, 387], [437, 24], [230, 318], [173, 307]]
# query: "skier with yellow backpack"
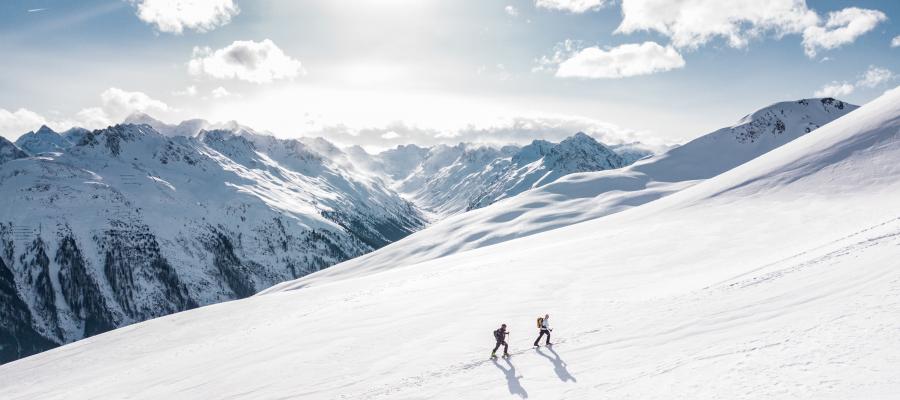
[[543, 324]]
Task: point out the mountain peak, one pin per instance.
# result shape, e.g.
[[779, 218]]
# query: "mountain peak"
[[793, 118], [581, 153], [581, 135], [580, 138], [44, 129], [113, 137], [43, 140], [138, 118]]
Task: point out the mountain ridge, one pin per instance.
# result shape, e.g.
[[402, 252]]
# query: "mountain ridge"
[[129, 224]]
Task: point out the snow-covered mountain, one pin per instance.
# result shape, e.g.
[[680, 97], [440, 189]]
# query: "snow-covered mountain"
[[44, 140], [9, 151], [129, 224], [583, 196], [774, 279], [447, 180], [542, 163]]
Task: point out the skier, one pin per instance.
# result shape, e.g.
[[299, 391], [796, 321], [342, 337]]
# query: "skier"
[[543, 324], [500, 336]]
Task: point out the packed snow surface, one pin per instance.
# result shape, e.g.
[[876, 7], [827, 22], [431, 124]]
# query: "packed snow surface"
[[776, 279]]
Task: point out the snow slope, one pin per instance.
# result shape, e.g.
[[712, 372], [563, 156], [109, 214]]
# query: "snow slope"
[[776, 279], [583, 196]]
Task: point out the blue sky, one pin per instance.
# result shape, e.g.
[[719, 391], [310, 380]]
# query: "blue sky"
[[382, 72]]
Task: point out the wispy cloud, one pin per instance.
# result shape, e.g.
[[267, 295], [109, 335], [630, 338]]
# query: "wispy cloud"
[[572, 6], [873, 77], [54, 22], [34, 10]]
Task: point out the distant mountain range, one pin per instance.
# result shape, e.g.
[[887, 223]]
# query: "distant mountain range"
[[447, 180]]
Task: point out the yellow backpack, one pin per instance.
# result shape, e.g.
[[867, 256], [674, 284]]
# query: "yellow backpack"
[[540, 322]]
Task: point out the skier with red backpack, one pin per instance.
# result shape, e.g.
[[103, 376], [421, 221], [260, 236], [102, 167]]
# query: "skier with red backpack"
[[500, 336], [543, 324]]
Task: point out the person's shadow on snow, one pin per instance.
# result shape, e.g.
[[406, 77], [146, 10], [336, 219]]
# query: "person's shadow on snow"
[[559, 366], [512, 380]]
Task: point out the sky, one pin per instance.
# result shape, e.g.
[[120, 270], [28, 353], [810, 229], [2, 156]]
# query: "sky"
[[384, 72]]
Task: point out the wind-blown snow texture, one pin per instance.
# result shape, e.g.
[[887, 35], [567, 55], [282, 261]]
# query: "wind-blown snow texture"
[[583, 196], [129, 225], [777, 278]]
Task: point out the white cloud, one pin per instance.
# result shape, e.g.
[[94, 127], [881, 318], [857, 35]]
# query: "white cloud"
[[93, 117], [693, 23], [15, 123], [220, 92], [118, 104], [619, 62], [175, 16], [842, 27], [895, 42], [511, 11], [875, 76], [573, 6], [390, 135], [257, 62], [513, 130], [115, 105], [189, 91], [835, 89]]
